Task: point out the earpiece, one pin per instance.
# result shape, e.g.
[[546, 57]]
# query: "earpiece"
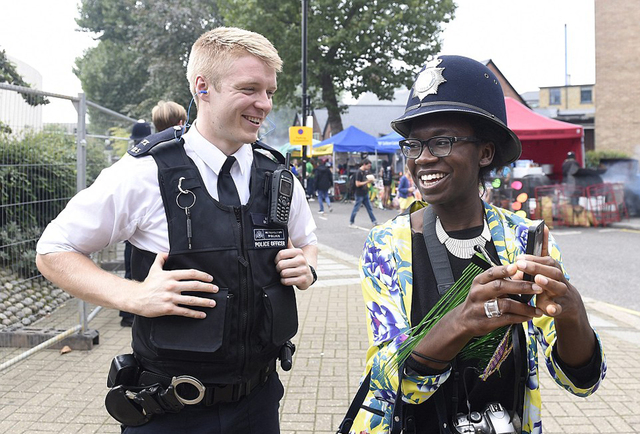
[[203, 91]]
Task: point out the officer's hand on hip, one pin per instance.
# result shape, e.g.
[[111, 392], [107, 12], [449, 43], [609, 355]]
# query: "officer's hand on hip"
[[161, 292], [293, 268]]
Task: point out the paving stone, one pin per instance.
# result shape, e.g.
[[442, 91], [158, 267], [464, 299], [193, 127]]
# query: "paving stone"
[[53, 393]]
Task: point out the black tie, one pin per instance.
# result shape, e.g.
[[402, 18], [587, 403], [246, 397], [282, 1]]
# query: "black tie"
[[227, 192]]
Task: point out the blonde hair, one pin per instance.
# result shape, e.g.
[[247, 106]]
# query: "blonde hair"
[[212, 54], [167, 114]]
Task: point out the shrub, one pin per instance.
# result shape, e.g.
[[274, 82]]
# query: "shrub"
[[593, 158], [37, 179]]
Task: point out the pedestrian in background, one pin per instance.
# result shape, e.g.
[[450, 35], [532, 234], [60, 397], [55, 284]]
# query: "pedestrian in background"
[[387, 180], [362, 180], [311, 180], [406, 191], [167, 114], [324, 181]]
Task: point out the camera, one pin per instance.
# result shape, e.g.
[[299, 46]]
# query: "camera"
[[494, 419]]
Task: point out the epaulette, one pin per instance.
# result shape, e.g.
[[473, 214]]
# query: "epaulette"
[[146, 144], [268, 151]]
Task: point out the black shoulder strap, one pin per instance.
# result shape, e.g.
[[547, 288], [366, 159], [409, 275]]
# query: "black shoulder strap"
[[355, 405], [519, 357], [173, 134], [437, 252], [402, 419]]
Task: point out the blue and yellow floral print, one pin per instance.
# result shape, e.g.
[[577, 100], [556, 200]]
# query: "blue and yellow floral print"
[[387, 284]]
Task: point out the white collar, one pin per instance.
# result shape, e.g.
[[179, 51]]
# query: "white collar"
[[212, 156]]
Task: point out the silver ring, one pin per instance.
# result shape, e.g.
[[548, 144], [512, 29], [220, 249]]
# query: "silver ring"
[[175, 381], [491, 308]]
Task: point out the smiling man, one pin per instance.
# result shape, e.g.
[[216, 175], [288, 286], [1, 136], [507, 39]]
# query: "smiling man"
[[213, 271]]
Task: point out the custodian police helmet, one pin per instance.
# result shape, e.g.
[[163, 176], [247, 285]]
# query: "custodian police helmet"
[[461, 85], [140, 130]]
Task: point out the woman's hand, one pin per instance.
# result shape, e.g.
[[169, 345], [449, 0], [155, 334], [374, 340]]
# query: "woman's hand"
[[559, 298], [497, 284], [492, 291]]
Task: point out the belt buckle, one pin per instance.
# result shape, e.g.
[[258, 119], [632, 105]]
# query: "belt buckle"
[[192, 381]]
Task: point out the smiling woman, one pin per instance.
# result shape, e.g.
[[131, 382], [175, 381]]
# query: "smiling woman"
[[447, 273]]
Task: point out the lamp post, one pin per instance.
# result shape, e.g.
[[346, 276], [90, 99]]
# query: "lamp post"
[[304, 88]]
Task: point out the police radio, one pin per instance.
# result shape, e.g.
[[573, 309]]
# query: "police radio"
[[281, 194]]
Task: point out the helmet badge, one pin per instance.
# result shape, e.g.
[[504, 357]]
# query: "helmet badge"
[[429, 79]]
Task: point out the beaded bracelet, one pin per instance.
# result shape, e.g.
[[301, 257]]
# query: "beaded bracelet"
[[431, 359]]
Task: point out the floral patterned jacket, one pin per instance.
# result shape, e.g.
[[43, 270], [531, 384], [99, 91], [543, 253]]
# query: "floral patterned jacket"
[[385, 269]]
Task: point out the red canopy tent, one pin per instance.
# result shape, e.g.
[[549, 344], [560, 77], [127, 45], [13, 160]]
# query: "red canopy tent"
[[544, 140]]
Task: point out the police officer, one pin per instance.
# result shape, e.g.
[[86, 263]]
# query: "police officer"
[[213, 270]]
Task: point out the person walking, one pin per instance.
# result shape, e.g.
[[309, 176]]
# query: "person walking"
[[214, 299], [324, 181], [362, 181]]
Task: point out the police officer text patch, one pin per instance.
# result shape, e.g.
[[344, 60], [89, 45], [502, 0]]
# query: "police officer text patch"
[[268, 238]]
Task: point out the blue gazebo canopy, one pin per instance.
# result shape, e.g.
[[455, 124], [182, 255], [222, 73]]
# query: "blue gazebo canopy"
[[390, 141], [353, 139]]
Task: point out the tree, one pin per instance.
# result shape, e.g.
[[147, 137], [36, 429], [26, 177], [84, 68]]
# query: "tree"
[[9, 74], [143, 51], [108, 73], [353, 45]]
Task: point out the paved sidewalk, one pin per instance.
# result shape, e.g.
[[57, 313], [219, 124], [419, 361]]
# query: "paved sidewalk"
[[64, 393]]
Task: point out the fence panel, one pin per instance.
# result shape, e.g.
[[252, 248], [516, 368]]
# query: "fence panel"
[[42, 165]]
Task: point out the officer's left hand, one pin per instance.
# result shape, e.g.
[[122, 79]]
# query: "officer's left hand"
[[293, 268]]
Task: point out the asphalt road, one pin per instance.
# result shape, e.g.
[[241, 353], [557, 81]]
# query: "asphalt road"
[[604, 264]]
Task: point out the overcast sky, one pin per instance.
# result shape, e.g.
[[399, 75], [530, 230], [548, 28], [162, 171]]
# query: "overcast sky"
[[525, 39]]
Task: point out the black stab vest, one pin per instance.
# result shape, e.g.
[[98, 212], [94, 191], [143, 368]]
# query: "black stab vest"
[[254, 314]]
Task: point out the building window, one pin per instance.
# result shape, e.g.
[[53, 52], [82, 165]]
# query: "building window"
[[555, 97], [586, 95]]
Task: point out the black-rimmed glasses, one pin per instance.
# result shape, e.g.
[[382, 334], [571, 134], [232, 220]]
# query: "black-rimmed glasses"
[[439, 146]]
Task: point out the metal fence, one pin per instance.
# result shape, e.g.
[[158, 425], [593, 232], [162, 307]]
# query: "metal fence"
[[42, 165]]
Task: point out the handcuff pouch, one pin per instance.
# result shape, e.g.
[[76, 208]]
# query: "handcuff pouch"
[[123, 371], [123, 409]]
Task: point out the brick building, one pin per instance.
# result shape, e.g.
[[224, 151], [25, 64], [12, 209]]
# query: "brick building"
[[617, 75]]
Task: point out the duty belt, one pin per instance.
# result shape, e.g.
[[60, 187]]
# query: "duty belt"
[[191, 391]]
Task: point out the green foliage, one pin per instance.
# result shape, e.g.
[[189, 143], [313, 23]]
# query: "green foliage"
[[143, 50], [9, 74], [593, 158], [353, 45], [36, 167], [119, 146], [38, 174], [19, 249], [105, 72]]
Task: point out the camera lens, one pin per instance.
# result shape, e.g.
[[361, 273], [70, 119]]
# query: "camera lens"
[[475, 417]]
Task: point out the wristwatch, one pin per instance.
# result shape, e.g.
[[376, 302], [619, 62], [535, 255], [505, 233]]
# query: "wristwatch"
[[315, 275]]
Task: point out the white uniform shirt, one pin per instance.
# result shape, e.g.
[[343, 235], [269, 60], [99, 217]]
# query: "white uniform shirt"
[[124, 203]]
